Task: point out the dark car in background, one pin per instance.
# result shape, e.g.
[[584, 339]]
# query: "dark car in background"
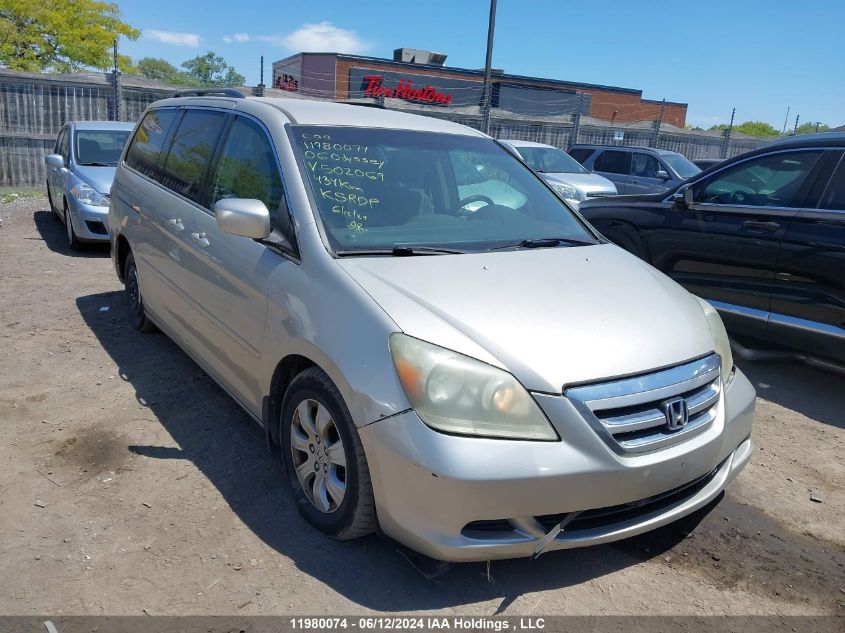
[[635, 170], [761, 237], [706, 163]]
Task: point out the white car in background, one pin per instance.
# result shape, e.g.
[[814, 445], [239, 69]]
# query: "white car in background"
[[565, 175]]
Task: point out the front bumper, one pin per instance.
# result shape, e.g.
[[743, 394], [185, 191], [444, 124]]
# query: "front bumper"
[[89, 222], [433, 491]]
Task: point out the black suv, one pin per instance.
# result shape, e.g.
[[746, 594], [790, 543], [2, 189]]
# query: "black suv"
[[761, 236]]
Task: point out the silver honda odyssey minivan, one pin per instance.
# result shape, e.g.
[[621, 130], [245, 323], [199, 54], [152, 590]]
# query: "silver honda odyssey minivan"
[[478, 375]]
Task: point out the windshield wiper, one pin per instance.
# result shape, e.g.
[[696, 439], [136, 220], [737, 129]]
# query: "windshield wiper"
[[401, 251], [546, 242], [97, 164]]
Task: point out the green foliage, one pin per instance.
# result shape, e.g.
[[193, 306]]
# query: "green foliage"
[[810, 128], [162, 70], [60, 35], [756, 128], [212, 70], [752, 128]]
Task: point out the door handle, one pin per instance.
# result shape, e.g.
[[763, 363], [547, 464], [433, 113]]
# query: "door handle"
[[755, 225], [176, 223], [200, 239], [136, 208]]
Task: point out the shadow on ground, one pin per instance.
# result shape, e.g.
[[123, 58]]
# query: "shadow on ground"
[[817, 394], [52, 231], [229, 449]]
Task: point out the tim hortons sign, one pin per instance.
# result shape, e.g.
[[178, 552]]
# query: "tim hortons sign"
[[406, 90]]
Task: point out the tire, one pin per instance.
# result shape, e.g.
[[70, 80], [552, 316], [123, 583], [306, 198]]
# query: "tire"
[[72, 241], [311, 397], [53, 210], [135, 303]]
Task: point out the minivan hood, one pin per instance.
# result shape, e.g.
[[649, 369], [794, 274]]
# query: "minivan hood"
[[100, 178], [552, 317], [586, 183]]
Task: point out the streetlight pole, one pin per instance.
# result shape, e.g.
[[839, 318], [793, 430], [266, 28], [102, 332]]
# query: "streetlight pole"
[[485, 100]]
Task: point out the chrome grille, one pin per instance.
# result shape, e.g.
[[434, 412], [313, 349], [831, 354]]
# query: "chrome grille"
[[629, 413]]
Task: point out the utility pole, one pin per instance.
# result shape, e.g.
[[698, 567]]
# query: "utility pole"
[[728, 135], [658, 123], [785, 120], [259, 89], [117, 88], [795, 129], [485, 99], [818, 123], [576, 128]]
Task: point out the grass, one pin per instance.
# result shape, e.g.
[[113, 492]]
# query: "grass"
[[10, 195]]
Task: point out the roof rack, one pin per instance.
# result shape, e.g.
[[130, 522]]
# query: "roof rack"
[[201, 92]]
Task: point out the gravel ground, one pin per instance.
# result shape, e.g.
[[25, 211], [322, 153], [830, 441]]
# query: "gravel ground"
[[130, 484]]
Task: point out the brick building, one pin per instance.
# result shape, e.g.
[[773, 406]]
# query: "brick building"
[[421, 77]]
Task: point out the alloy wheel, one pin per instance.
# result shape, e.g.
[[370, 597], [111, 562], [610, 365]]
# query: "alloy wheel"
[[133, 291], [318, 455]]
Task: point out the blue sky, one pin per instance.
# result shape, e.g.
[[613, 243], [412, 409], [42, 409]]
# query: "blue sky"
[[758, 56]]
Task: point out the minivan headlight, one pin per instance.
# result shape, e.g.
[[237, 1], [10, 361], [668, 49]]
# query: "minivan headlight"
[[454, 393], [88, 195], [565, 191], [720, 339]]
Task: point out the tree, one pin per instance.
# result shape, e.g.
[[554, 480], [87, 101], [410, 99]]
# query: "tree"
[[752, 128], [756, 128], [810, 128], [61, 35], [212, 70], [162, 70]]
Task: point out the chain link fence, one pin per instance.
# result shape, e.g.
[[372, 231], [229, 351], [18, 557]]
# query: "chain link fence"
[[33, 108]]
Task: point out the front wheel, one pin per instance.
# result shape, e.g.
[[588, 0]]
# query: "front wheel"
[[53, 210], [324, 458], [72, 241], [137, 314]]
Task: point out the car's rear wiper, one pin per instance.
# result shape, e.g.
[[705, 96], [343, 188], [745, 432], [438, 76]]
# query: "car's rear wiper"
[[400, 251], [546, 242]]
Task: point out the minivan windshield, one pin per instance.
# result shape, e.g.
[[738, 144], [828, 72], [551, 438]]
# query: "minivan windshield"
[[399, 190], [550, 160], [685, 168], [100, 147]]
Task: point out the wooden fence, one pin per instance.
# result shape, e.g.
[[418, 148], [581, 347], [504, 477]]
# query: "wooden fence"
[[33, 108]]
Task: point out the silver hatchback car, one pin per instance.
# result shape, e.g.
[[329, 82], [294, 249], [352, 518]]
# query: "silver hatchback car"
[[479, 379], [79, 177]]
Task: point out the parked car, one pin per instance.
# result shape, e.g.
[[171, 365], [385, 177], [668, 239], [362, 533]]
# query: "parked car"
[[761, 237], [706, 163], [79, 175], [635, 170], [571, 180], [480, 384]]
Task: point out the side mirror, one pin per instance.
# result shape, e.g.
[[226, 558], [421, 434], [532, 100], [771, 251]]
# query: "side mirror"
[[246, 217], [663, 175], [683, 197], [54, 160]]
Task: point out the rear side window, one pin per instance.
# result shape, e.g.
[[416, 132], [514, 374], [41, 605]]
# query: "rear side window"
[[644, 165], [149, 140], [834, 195], [580, 153], [613, 162], [247, 167], [191, 152], [773, 180]]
